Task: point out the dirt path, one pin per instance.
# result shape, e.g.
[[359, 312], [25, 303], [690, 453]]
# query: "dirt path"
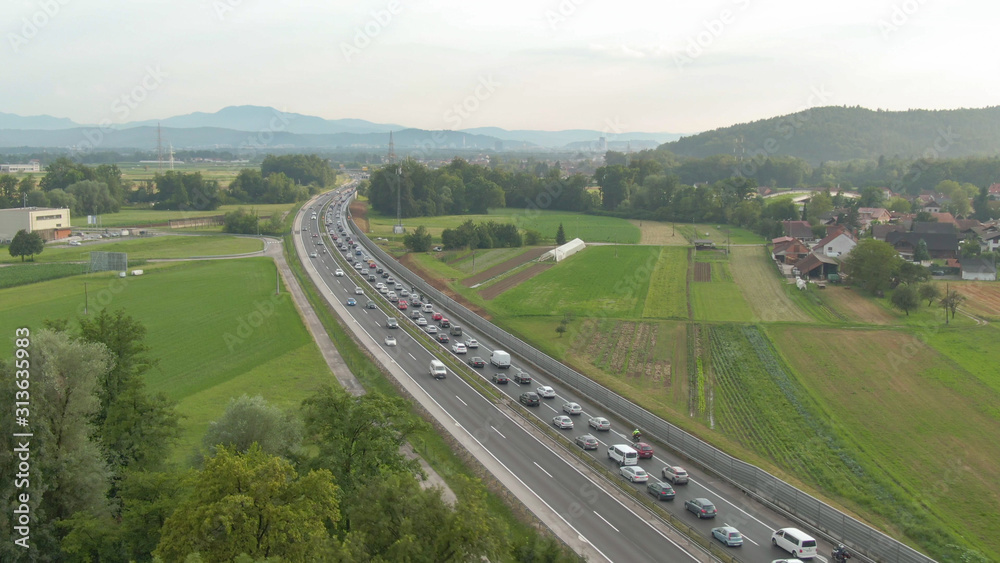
[[506, 266], [501, 286]]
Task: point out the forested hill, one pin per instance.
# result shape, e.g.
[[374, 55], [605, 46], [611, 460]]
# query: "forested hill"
[[845, 133]]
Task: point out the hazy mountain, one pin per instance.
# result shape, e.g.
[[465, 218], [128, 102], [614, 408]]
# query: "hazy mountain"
[[843, 133], [563, 139], [259, 118], [12, 121]]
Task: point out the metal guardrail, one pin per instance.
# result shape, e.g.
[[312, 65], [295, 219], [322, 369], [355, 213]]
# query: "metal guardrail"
[[815, 513]]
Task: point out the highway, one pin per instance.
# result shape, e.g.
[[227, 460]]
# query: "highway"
[[619, 531]]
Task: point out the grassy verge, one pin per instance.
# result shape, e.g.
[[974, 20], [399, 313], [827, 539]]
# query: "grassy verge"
[[151, 247], [137, 217]]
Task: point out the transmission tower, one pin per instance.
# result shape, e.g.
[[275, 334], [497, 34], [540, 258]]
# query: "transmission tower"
[[159, 148], [391, 157]]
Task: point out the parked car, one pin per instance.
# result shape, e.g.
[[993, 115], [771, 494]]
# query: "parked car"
[[546, 392], [634, 473], [529, 398], [500, 379], [477, 362], [661, 491], [587, 442], [562, 421], [674, 474], [701, 507], [644, 449], [599, 423], [728, 535], [572, 408]]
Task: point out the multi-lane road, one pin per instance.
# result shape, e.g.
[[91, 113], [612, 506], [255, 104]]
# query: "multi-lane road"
[[619, 530]]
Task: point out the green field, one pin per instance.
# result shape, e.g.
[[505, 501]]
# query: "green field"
[[720, 234], [605, 281], [590, 228], [138, 217], [23, 274], [719, 301], [667, 297], [147, 248]]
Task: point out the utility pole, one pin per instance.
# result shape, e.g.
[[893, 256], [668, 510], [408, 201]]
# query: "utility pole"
[[277, 279], [86, 300]]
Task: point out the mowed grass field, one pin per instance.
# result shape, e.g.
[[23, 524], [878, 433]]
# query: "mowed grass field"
[[134, 216], [719, 234], [590, 228], [667, 297], [600, 281], [761, 286], [215, 327], [925, 423], [145, 248]]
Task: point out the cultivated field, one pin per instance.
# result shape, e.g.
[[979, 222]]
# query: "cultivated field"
[[760, 284], [667, 297], [915, 413], [604, 281], [224, 173], [23, 274], [512, 258], [719, 301], [486, 258], [510, 282], [719, 234], [146, 248], [983, 298], [139, 217], [856, 307], [659, 234]]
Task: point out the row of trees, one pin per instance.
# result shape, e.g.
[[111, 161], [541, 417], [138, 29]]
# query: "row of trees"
[[486, 234], [244, 222]]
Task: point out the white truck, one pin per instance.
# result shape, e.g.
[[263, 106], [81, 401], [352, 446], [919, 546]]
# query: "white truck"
[[500, 359], [437, 370]]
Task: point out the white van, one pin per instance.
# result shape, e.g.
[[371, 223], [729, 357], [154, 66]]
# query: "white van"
[[796, 542], [437, 370], [427, 308], [623, 454]]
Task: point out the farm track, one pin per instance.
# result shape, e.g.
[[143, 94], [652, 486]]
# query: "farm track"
[[505, 266], [493, 291]]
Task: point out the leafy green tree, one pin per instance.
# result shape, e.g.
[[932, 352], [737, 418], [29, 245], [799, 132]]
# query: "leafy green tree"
[[92, 198], [871, 197], [255, 504], [970, 248], [532, 237], [26, 244], [872, 265], [36, 198], [930, 292], [921, 253], [418, 241], [924, 217], [981, 203], [301, 168], [61, 199], [951, 301], [899, 204], [250, 420], [910, 272], [819, 204], [185, 191], [560, 235], [615, 182], [9, 196], [241, 222], [905, 299], [27, 184], [63, 172], [111, 176]]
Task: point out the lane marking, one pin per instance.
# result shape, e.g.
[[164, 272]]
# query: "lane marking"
[[461, 401], [549, 474], [498, 432], [612, 526]]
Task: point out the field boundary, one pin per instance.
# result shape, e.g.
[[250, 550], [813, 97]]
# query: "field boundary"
[[496, 289], [506, 266]]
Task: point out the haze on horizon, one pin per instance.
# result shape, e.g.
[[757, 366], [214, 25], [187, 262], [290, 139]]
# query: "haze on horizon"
[[520, 64]]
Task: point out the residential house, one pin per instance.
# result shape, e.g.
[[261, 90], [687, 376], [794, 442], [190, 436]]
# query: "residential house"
[[979, 269], [837, 244], [939, 245], [944, 217], [880, 231], [993, 191], [990, 240], [868, 216], [800, 230], [937, 228], [789, 250], [967, 228]]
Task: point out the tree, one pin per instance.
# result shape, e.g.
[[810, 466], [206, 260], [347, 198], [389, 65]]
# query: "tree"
[[614, 181], [256, 504], [951, 300], [241, 222], [905, 299], [930, 292], [872, 265], [9, 196], [970, 248], [418, 241], [250, 420], [532, 237], [36, 198], [910, 273], [981, 204], [921, 253], [92, 198], [26, 244], [560, 235]]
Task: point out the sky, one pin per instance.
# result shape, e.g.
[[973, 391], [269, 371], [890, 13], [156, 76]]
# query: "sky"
[[654, 66]]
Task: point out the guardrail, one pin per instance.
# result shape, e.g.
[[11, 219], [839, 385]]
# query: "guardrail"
[[814, 513]]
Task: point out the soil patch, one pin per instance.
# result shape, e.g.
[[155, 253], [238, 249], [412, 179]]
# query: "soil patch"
[[659, 234], [359, 212], [442, 286], [702, 272], [506, 267], [983, 298], [503, 285]]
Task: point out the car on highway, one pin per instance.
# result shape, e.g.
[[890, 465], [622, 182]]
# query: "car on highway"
[[445, 323], [477, 362], [390, 340], [383, 290], [788, 561], [500, 379], [421, 321], [359, 291], [402, 305], [459, 348], [728, 535], [431, 329], [546, 392], [391, 322], [437, 316], [599, 423], [404, 293], [392, 296], [415, 313], [521, 378], [370, 304], [701, 507], [312, 255], [562, 421], [442, 338], [529, 398], [674, 474], [379, 271], [371, 277], [357, 266], [339, 273], [572, 408], [587, 442], [352, 301], [371, 264], [385, 275], [644, 449], [634, 473], [659, 490], [471, 343]]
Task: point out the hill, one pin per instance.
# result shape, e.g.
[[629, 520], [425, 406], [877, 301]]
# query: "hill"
[[846, 133], [259, 118], [573, 138]]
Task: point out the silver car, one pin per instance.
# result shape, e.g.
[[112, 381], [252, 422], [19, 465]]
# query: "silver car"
[[599, 423], [562, 421], [572, 408]]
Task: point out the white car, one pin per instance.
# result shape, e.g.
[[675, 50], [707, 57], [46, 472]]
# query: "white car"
[[459, 348], [74, 243], [339, 273], [421, 321], [471, 343], [383, 290], [313, 255], [358, 291], [390, 340], [546, 392], [357, 266], [431, 329], [562, 421], [572, 408], [634, 473]]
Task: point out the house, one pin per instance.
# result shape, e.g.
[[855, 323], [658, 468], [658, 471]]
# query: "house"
[[944, 217], [868, 216], [990, 240], [979, 269], [939, 245], [880, 231], [937, 228], [703, 243], [49, 223], [799, 229], [967, 228], [837, 244], [789, 250], [32, 166], [993, 192], [818, 265]]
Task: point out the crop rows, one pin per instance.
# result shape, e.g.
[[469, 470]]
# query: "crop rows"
[[667, 294]]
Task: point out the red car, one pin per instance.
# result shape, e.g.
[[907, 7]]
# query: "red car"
[[437, 316], [645, 450], [402, 305]]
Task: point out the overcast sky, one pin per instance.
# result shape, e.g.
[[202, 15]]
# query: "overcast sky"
[[518, 64]]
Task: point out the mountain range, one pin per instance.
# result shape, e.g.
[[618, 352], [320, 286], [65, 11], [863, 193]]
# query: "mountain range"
[[232, 126]]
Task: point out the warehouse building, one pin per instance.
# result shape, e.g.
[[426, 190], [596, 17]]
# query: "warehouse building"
[[50, 223]]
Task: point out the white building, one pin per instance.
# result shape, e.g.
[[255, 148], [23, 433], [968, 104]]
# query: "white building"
[[32, 166], [564, 251], [835, 245], [50, 223], [978, 269]]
